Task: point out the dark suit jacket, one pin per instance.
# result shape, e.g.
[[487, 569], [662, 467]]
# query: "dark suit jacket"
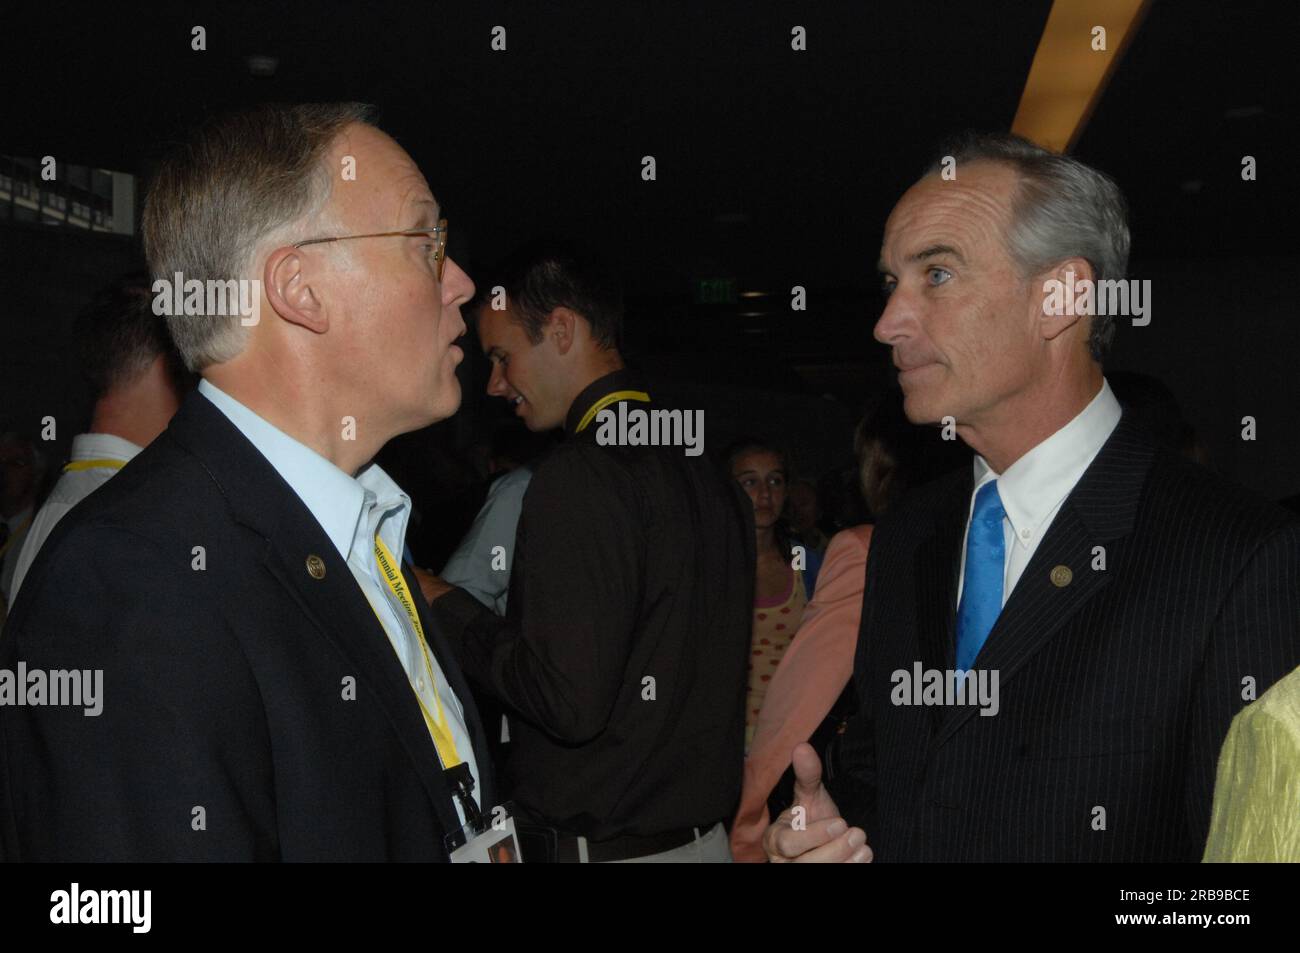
[[1116, 689], [223, 687]]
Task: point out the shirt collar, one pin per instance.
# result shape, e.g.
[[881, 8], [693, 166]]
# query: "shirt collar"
[[622, 380], [102, 446], [1033, 487], [335, 499], [385, 510]]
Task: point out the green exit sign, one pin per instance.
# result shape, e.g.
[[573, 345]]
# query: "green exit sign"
[[716, 291]]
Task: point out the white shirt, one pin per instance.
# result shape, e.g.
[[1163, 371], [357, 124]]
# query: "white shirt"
[[75, 484], [1035, 486], [472, 566], [351, 512]]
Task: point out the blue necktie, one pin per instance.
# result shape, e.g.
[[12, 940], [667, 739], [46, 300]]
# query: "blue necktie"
[[981, 593]]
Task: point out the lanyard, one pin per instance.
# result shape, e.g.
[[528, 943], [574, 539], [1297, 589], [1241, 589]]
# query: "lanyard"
[[94, 465], [608, 399], [454, 767]]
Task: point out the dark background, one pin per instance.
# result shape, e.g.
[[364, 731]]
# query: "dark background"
[[775, 168]]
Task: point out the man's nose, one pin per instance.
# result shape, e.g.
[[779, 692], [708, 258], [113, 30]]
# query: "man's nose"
[[457, 288], [496, 382], [898, 319]]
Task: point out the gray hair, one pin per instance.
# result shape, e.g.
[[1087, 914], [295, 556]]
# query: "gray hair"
[[1062, 209], [238, 181]]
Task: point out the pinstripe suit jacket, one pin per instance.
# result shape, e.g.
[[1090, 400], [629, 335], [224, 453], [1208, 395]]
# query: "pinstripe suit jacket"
[[1115, 690]]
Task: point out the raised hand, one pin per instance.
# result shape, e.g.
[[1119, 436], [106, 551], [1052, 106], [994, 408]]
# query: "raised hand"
[[811, 830]]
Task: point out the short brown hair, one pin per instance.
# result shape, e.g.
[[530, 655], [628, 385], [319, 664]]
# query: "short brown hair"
[[217, 196], [552, 273]]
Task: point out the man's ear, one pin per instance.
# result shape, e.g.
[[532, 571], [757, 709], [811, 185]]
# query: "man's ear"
[[1068, 296], [562, 325], [287, 288]]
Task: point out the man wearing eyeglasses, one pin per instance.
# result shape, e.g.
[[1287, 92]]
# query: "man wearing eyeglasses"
[[274, 688]]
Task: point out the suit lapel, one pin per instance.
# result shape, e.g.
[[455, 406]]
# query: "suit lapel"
[[1038, 607], [259, 499], [1099, 510], [340, 611]]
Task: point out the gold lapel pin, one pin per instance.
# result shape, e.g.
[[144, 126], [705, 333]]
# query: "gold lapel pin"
[[316, 567], [1061, 576]]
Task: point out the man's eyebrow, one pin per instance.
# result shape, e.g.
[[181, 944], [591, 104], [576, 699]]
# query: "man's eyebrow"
[[932, 251], [935, 251], [424, 212]]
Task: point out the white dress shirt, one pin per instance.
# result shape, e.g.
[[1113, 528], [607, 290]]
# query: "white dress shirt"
[[1035, 486], [76, 483], [351, 512]]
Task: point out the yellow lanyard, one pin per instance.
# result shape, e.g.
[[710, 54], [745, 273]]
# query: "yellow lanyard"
[[608, 399], [94, 465], [439, 728]]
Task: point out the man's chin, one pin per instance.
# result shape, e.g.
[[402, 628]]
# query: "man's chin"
[[446, 404], [922, 409], [535, 422]]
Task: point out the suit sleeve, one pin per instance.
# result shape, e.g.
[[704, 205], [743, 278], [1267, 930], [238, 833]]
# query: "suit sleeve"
[[175, 765], [559, 659], [1255, 642]]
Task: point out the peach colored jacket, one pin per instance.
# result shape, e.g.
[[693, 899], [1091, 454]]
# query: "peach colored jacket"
[[811, 676]]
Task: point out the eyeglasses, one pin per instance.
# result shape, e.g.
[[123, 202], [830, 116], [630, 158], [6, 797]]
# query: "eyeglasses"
[[438, 257]]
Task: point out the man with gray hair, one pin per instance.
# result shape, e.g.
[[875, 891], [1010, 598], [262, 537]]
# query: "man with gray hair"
[[1123, 603], [274, 688]]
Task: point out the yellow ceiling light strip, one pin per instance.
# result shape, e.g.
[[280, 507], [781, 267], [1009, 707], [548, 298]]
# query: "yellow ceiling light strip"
[[1068, 75]]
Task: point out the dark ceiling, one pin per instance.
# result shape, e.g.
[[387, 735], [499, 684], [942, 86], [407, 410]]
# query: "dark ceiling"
[[1203, 85], [774, 167], [769, 161]]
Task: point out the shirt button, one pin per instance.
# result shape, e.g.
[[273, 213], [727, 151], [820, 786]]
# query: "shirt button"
[[1025, 534], [419, 684]]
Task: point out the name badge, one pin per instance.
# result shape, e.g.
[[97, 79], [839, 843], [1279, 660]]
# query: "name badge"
[[493, 842]]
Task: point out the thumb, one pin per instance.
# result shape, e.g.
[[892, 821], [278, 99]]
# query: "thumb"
[[807, 772]]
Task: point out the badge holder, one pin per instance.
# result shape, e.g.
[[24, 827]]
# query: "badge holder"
[[484, 839]]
